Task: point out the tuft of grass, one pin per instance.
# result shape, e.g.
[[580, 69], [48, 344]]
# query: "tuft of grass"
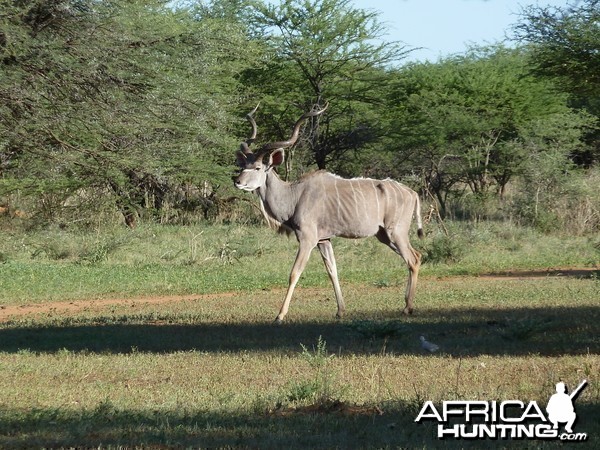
[[99, 250], [318, 389], [305, 391], [318, 357]]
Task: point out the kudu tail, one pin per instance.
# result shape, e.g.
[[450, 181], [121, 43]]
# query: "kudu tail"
[[418, 214]]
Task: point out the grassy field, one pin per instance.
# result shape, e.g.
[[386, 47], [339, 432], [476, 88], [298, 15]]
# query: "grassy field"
[[171, 343]]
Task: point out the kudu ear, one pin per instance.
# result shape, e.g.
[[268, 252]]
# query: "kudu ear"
[[276, 158], [241, 159]]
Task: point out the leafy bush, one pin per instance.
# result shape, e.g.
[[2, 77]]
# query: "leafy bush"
[[444, 249], [571, 204]]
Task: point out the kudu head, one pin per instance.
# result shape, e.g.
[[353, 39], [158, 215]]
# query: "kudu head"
[[255, 166]]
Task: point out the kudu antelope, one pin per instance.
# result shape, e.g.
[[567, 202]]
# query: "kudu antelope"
[[321, 206]]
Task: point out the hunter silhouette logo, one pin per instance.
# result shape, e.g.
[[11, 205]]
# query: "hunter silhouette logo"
[[560, 406], [509, 419]]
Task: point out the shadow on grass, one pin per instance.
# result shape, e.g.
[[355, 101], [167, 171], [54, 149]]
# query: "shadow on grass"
[[587, 273], [108, 426], [468, 332]]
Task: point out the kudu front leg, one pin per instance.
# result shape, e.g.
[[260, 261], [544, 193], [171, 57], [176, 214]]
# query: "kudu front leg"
[[326, 250], [297, 269]]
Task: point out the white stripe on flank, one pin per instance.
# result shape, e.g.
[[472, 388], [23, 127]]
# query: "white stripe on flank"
[[376, 198], [354, 198], [395, 202], [324, 195], [338, 197], [399, 204], [364, 199]]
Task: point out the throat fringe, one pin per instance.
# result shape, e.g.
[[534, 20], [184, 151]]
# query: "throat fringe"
[[272, 222]]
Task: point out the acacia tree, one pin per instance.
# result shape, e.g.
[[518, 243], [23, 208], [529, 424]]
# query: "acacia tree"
[[549, 177], [459, 121], [564, 43], [323, 51], [125, 99]]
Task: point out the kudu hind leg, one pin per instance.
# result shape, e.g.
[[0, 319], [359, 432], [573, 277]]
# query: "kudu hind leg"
[[297, 269], [413, 261], [399, 242], [326, 250]]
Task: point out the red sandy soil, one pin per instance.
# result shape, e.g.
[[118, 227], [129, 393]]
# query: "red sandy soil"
[[77, 306]]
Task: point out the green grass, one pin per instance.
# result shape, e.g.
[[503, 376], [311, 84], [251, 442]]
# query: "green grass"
[[219, 373], [154, 260], [215, 372]]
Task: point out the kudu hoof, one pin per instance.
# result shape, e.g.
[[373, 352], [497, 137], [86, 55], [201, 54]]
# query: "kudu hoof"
[[407, 311], [278, 321]]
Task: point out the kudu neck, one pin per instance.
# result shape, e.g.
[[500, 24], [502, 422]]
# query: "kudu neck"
[[278, 196]]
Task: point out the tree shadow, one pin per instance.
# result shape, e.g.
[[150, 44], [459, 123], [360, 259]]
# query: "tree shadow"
[[392, 426], [548, 331], [587, 273], [106, 425]]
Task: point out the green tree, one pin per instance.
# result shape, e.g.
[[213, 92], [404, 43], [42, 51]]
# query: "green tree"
[[324, 51], [458, 121], [122, 100], [565, 45], [550, 180]]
